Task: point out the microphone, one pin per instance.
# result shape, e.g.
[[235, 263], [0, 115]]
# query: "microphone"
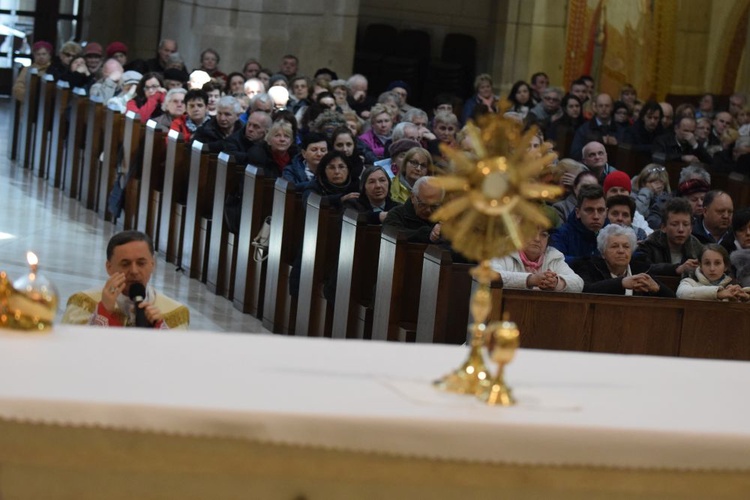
[[138, 294]]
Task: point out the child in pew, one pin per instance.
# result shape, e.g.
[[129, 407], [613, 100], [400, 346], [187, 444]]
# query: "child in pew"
[[710, 281]]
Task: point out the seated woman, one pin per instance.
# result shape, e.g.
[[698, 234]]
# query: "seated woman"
[[41, 52], [149, 96], [277, 150], [342, 139], [172, 107], [651, 186], [484, 96], [520, 98], [379, 134], [567, 124], [538, 266], [332, 181], [710, 280], [417, 163], [614, 272], [374, 195]]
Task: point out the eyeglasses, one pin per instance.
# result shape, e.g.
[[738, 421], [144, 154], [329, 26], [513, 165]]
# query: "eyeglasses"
[[656, 169], [68, 54], [151, 87], [417, 165], [432, 207]]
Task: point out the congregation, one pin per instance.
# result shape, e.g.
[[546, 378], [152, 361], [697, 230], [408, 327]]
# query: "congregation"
[[640, 214]]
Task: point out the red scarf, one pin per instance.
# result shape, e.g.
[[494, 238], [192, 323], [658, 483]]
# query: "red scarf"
[[280, 158]]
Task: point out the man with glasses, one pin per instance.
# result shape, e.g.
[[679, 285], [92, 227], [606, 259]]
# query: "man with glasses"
[[577, 237], [548, 109], [413, 217]]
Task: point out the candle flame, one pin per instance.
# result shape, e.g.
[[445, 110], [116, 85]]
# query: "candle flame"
[[31, 258]]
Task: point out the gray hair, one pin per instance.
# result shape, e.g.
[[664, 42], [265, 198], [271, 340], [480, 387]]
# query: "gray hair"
[[355, 79], [339, 83], [261, 98], [425, 179], [413, 113], [553, 90], [230, 102], [251, 81], [399, 131], [445, 117], [175, 58], [602, 239], [170, 95], [389, 96], [694, 172], [742, 141]]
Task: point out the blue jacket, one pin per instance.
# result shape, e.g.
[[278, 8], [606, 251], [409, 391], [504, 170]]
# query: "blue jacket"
[[295, 173], [574, 240]]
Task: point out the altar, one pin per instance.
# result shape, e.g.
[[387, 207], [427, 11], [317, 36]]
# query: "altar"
[[87, 413]]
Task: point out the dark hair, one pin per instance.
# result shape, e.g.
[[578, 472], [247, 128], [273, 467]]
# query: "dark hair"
[[210, 86], [622, 199], [337, 132], [323, 95], [371, 169], [711, 197], [679, 119], [648, 107], [328, 186], [715, 247], [579, 81], [537, 75], [619, 105], [564, 104], [444, 98], [211, 51], [140, 92], [125, 237], [228, 86], [312, 138], [195, 94], [512, 94], [582, 174], [586, 78], [676, 206], [589, 192], [740, 219]]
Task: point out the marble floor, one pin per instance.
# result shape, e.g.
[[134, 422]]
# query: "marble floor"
[[70, 242]]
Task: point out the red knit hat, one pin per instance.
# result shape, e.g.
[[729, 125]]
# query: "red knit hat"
[[619, 179], [115, 47]]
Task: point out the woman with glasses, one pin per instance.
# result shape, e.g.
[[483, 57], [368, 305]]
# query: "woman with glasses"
[[149, 96], [538, 266], [61, 64], [651, 186], [417, 163]]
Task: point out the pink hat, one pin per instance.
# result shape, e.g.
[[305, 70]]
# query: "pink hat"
[[93, 49], [115, 47], [41, 44]]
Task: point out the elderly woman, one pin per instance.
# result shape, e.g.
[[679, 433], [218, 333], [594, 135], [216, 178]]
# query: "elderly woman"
[[374, 195], [172, 107], [417, 163], [276, 152], [538, 266], [484, 97], [340, 91], [614, 272], [41, 53], [381, 123]]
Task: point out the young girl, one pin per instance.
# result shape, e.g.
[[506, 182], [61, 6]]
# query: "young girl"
[[710, 280]]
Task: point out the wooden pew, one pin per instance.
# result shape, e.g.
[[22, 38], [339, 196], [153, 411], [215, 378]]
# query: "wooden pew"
[[74, 148], [735, 185], [28, 118], [279, 308], [443, 299], [132, 158], [399, 280], [94, 146], [15, 120], [57, 136], [152, 180], [257, 203], [357, 276], [43, 125], [198, 209], [222, 250], [113, 125], [716, 330], [174, 195], [320, 250], [629, 161]]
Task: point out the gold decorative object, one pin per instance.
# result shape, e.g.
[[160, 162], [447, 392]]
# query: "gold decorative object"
[[492, 209], [506, 340], [30, 303]]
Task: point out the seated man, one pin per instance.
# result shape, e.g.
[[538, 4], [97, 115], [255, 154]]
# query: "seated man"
[[673, 251], [240, 142], [215, 131], [680, 144], [620, 209], [413, 217], [715, 226], [304, 166], [614, 272], [577, 236], [596, 160], [618, 183], [196, 103], [130, 261]]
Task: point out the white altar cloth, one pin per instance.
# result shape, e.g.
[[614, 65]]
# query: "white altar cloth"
[[575, 409]]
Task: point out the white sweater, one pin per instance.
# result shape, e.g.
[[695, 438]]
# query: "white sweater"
[[514, 273]]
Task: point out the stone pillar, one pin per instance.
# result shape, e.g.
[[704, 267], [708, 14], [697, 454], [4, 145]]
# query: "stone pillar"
[[319, 32]]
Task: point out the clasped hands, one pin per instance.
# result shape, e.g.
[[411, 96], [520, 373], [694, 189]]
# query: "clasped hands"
[[642, 283], [546, 280]]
